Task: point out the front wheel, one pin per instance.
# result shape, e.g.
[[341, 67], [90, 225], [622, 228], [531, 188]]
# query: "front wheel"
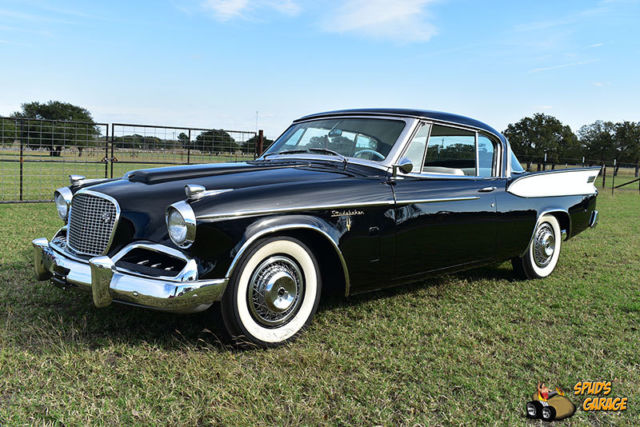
[[273, 293], [542, 254]]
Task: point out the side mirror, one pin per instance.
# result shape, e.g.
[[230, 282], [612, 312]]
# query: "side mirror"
[[404, 165]]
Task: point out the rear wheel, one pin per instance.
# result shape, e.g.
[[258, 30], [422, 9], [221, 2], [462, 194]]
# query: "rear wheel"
[[542, 254], [548, 413], [273, 293]]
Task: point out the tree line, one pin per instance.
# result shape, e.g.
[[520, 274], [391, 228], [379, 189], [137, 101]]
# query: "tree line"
[[543, 138], [536, 139], [56, 125]]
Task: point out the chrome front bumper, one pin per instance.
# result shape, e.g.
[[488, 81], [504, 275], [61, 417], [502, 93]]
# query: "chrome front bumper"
[[101, 277]]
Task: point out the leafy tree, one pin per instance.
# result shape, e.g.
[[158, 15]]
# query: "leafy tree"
[[251, 144], [183, 138], [599, 141], [533, 137], [627, 135], [58, 132], [8, 131], [139, 142], [215, 140]]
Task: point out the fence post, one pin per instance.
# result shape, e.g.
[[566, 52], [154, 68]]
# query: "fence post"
[[260, 142], [613, 178], [106, 154], [189, 147], [21, 155], [113, 136], [604, 174]]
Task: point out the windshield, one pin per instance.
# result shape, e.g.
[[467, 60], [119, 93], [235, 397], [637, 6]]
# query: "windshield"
[[370, 139]]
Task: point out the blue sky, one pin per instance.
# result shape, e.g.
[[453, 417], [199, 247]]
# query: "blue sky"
[[214, 63]]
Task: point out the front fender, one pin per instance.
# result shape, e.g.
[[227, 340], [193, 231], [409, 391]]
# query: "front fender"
[[264, 227]]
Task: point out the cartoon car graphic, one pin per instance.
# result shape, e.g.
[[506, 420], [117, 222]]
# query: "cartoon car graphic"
[[550, 405]]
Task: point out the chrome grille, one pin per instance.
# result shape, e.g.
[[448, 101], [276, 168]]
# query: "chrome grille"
[[91, 222]]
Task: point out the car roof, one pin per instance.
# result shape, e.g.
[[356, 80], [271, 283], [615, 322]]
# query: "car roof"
[[438, 116]]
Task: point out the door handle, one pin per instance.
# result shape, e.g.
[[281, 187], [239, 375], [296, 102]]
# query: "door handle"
[[486, 189]]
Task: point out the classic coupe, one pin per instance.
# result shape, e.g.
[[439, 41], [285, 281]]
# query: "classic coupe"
[[353, 201]]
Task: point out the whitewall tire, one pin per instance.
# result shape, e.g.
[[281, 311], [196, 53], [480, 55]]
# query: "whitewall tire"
[[543, 252], [273, 293]]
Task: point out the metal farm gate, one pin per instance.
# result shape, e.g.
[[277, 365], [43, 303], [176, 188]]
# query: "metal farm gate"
[[37, 156]]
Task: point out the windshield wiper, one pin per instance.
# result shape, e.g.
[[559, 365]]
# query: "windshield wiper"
[[335, 153], [298, 151], [313, 149]]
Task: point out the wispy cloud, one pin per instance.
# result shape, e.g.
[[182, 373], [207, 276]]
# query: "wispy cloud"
[[560, 66], [225, 10], [400, 20], [596, 45]]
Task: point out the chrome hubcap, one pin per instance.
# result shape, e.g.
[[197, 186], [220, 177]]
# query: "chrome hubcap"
[[275, 290], [544, 245]]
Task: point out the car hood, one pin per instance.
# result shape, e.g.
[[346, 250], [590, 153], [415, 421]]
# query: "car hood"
[[144, 195]]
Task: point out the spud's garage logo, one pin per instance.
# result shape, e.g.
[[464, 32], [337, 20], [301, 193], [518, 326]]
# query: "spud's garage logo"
[[599, 403], [550, 405]]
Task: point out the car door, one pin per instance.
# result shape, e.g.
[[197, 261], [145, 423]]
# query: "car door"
[[446, 209]]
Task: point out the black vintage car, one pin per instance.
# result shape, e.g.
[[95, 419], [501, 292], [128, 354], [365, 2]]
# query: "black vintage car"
[[354, 200]]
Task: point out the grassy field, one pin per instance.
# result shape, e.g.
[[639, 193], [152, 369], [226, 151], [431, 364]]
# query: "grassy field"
[[465, 348], [42, 174]]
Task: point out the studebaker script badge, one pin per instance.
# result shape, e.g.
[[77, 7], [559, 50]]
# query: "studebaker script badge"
[[351, 212]]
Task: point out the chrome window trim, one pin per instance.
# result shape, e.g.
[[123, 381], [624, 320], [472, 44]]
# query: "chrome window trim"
[[386, 164], [115, 222], [499, 146]]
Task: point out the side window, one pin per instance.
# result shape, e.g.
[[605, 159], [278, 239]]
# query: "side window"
[[451, 151], [486, 156], [418, 144]]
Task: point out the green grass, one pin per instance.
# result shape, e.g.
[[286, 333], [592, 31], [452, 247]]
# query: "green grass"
[[466, 348], [42, 174]]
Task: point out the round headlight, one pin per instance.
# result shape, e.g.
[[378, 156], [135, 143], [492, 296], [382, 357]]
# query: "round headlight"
[[62, 198], [181, 224]]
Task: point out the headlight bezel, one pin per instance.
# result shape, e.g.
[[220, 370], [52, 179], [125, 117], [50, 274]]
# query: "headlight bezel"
[[67, 196], [185, 211]]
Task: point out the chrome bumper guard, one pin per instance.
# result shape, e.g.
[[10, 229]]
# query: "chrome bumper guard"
[[100, 276], [593, 221]]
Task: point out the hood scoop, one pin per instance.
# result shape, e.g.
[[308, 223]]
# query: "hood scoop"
[[158, 175]]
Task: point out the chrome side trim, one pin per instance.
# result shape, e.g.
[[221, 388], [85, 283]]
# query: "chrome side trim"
[[446, 199], [229, 215], [236, 214], [271, 230], [115, 222]]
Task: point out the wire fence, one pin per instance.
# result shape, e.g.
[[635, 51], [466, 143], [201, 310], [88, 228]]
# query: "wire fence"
[[37, 156]]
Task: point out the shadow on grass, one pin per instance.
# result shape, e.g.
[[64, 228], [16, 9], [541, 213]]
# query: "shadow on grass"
[[45, 319]]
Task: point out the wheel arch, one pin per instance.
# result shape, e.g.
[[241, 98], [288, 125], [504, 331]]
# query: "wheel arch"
[[563, 217], [317, 233]]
